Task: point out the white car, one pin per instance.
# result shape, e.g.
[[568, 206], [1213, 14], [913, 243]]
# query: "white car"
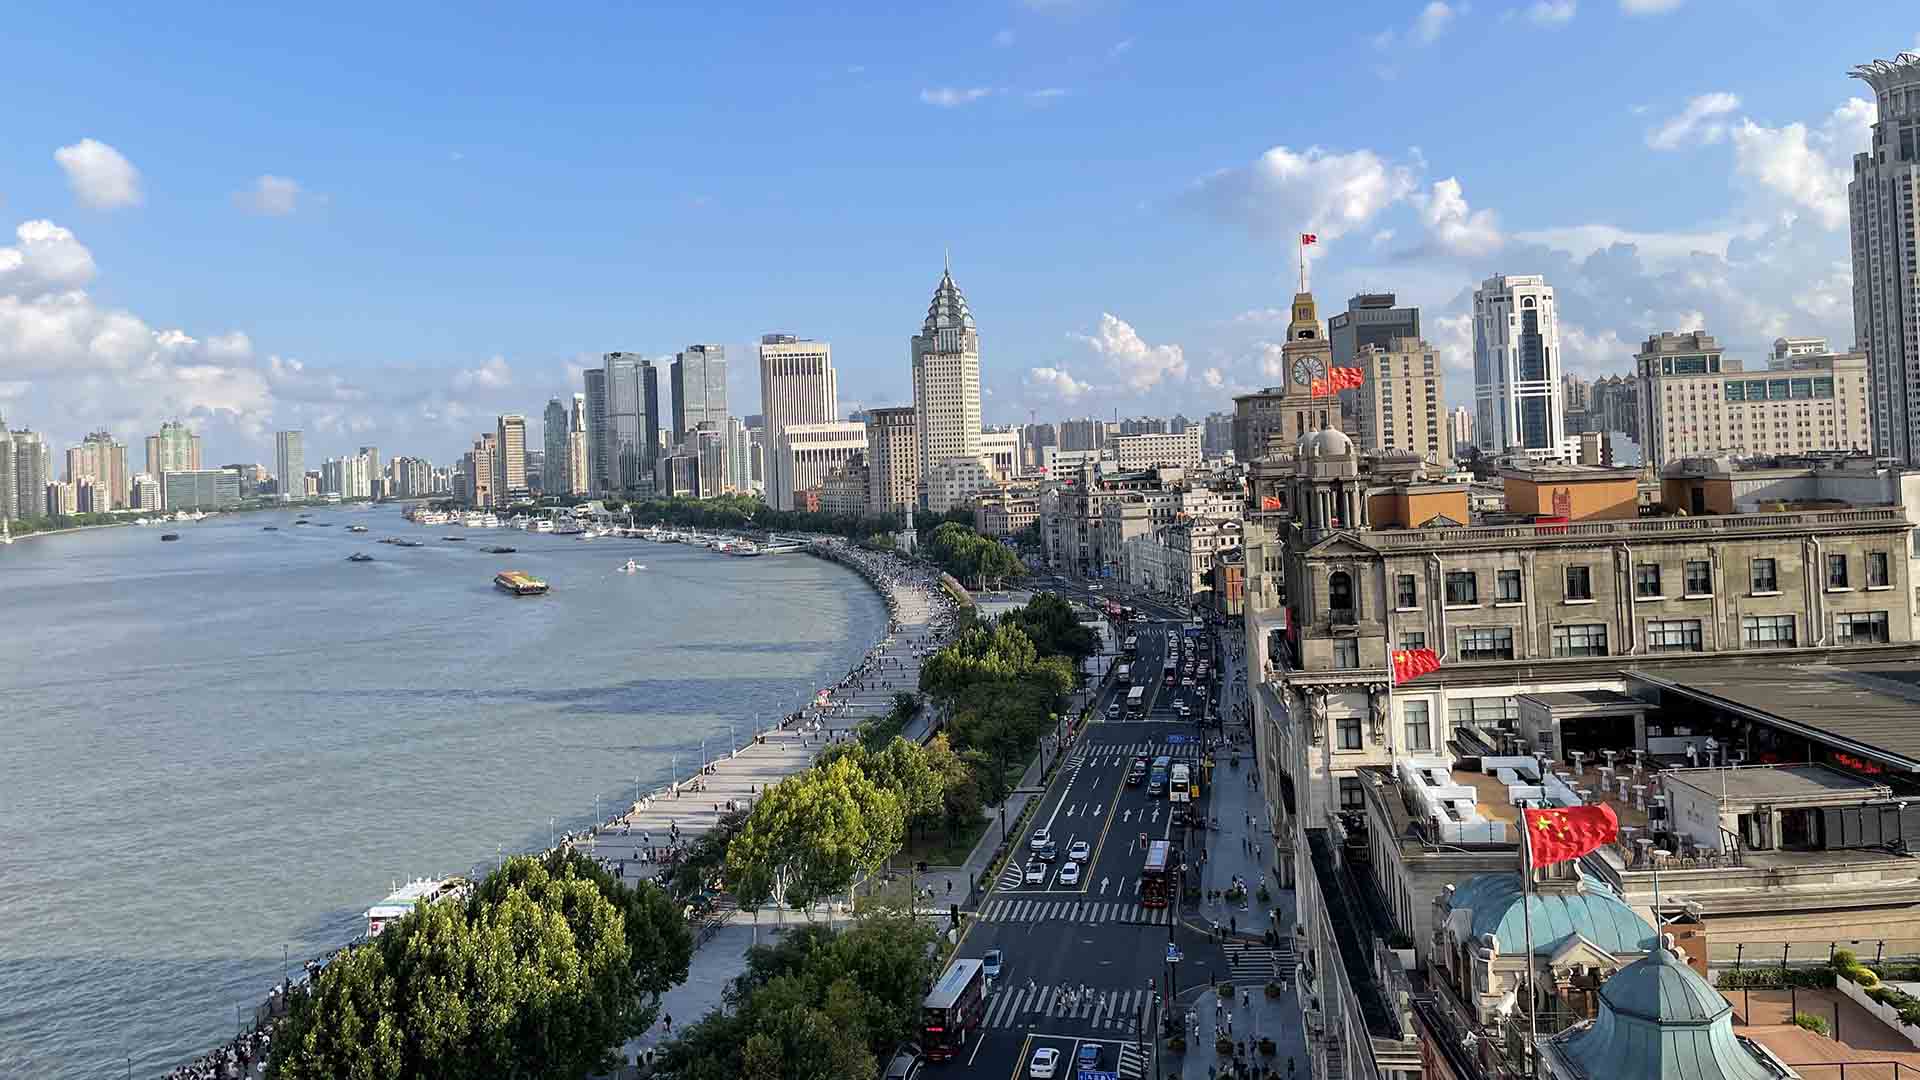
[[1045, 1061], [1078, 851], [1070, 874], [1039, 840], [1036, 872]]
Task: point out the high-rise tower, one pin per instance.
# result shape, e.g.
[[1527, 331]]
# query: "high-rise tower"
[[699, 378], [946, 378], [290, 465], [555, 458], [797, 386], [1516, 368], [1882, 201], [623, 407], [510, 458]]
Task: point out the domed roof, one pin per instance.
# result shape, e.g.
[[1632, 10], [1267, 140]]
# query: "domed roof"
[[1658, 1018], [948, 311], [1660, 988], [1595, 913], [1327, 442]]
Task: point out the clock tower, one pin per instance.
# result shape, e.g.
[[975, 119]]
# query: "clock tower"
[[1306, 356]]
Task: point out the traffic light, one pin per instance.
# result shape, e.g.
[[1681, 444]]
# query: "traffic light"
[[953, 915]]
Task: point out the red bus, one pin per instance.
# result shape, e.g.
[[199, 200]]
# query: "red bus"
[[1153, 876], [956, 1005]]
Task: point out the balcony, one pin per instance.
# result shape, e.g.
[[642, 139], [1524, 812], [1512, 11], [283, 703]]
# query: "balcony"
[[1703, 528], [1343, 616]]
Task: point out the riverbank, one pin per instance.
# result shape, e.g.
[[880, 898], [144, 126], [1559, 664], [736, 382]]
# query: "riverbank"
[[700, 788], [72, 529]]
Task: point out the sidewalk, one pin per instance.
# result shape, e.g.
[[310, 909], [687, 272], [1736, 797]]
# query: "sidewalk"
[[961, 884]]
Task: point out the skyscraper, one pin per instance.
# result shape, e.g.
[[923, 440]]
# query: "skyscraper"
[[370, 474], [9, 497], [175, 449], [699, 379], [797, 386], [626, 434], [579, 459], [893, 459], [1516, 367], [102, 460], [946, 378], [1402, 402], [594, 400], [32, 472], [554, 429], [510, 458], [1883, 200], [290, 465]]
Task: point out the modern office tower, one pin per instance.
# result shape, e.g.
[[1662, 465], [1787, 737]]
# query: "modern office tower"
[[510, 457], [63, 499], [201, 489], [807, 452], [371, 471], [1035, 438], [1216, 436], [1698, 402], [708, 445], [1516, 368], [101, 459], [739, 456], [10, 501], [1283, 414], [1883, 201], [797, 386], [1575, 392], [555, 428], [946, 378], [1370, 319], [479, 463], [626, 429], [175, 449], [290, 465], [149, 495], [1148, 451], [893, 460], [579, 448], [699, 378], [1401, 404], [599, 480], [32, 472], [1085, 434]]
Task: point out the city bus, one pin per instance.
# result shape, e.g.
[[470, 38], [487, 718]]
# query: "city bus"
[[1178, 790], [1157, 777], [1137, 701], [1153, 875], [1132, 647], [955, 1006], [1126, 674]]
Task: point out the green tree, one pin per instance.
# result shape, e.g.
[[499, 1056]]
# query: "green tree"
[[810, 835]]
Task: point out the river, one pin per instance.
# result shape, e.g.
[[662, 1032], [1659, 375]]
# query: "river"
[[218, 747]]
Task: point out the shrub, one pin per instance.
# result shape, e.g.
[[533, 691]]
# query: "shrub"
[[1775, 978], [1225, 989], [1842, 960], [1223, 1045], [1815, 1024], [1273, 989]]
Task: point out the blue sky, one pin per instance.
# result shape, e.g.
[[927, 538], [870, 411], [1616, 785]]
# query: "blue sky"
[[385, 224]]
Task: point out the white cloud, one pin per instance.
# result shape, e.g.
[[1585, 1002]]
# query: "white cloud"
[[1138, 365], [1050, 93], [1807, 167], [1552, 12], [1452, 225], [1057, 382], [1004, 39], [1648, 7], [1654, 247], [100, 176], [1214, 378], [47, 257], [1433, 21], [948, 97], [1120, 48], [270, 196], [1697, 123], [492, 374], [1313, 190]]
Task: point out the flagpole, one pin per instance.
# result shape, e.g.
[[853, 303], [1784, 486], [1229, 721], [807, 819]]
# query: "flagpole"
[[1303, 262], [1526, 914]]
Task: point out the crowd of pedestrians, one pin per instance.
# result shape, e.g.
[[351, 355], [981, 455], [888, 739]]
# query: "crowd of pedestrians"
[[240, 1057]]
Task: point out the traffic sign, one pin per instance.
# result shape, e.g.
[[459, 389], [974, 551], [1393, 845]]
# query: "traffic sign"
[[1174, 955], [1176, 740]]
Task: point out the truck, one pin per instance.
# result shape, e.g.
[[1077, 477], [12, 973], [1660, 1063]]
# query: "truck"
[[1137, 702], [1178, 788]]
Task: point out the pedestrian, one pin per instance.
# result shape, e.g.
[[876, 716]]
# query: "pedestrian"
[[949, 886], [669, 1019], [1233, 926]]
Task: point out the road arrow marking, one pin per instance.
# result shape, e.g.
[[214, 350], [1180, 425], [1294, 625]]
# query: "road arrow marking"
[[1103, 886], [1072, 810], [1126, 815], [1136, 887], [1156, 814]]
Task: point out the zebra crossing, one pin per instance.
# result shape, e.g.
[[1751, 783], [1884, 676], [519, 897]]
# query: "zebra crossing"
[[1022, 1004], [1252, 960], [1079, 911], [1149, 747], [1133, 1062]]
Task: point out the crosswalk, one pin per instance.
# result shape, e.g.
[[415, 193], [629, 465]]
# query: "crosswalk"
[[1021, 1004], [1133, 1062], [1079, 911], [1253, 960]]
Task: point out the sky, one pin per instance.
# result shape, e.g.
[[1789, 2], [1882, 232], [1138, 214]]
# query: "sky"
[[387, 224]]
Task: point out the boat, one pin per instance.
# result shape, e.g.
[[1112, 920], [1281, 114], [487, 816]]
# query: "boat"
[[541, 526], [630, 567], [455, 539], [269, 528], [356, 528], [406, 543], [169, 536], [519, 583], [404, 898], [324, 524], [499, 550], [359, 556], [386, 540]]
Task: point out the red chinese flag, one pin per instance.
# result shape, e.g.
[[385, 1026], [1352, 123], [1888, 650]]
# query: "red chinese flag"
[[1349, 378], [1413, 663], [1569, 832], [1309, 238], [1323, 388], [1269, 502]]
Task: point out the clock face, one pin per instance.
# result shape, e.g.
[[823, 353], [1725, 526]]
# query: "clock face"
[[1308, 368]]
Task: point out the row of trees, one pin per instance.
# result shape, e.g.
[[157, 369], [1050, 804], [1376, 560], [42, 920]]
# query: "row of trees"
[[970, 557], [50, 522], [751, 512], [544, 970]]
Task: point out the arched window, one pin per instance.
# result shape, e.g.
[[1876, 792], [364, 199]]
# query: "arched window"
[[1340, 595]]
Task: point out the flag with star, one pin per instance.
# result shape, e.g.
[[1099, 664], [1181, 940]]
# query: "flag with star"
[[1555, 836]]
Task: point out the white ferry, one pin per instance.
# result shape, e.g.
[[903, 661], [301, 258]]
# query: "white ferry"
[[403, 898], [540, 525]]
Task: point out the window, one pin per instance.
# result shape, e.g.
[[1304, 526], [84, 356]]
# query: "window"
[[1767, 631], [1674, 635], [1877, 570], [1346, 654], [1580, 639], [1836, 571], [1699, 578], [1486, 643], [1485, 711], [1351, 795], [1579, 583], [1340, 592], [1764, 580], [1506, 586], [1349, 733], [1861, 627], [1462, 587], [1419, 725], [1646, 579], [1413, 639], [1405, 595]]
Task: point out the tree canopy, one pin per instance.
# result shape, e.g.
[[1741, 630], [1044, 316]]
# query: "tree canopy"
[[809, 836], [968, 556]]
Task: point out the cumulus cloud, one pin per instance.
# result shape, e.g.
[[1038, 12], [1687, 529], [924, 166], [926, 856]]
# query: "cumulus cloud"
[[950, 97], [1138, 365], [1452, 225], [45, 257], [1699, 122], [1551, 12], [1058, 382], [492, 374], [1214, 378], [1654, 246], [1432, 21], [270, 196], [1317, 190], [1807, 167], [100, 176], [1648, 7]]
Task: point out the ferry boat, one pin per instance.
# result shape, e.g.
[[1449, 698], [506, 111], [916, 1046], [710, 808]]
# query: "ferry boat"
[[519, 583], [499, 550], [356, 528], [169, 536], [269, 528], [540, 526], [402, 900], [359, 556], [630, 567]]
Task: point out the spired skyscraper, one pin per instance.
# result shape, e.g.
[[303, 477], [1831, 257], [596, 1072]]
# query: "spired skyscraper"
[[1882, 202], [946, 380], [1516, 368]]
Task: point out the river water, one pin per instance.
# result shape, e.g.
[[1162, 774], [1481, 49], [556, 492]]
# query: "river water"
[[215, 748]]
